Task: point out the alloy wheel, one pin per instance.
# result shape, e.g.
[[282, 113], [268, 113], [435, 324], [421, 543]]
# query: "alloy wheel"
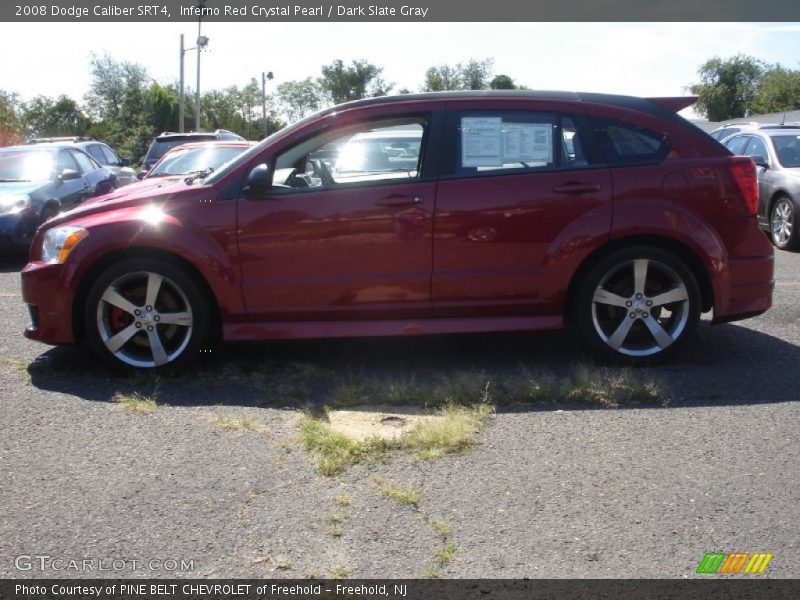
[[640, 308], [144, 319]]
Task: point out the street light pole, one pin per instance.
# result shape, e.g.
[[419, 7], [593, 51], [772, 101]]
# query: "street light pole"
[[180, 95], [264, 77], [201, 5]]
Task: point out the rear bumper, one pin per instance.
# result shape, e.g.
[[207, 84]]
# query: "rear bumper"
[[749, 289], [49, 302]]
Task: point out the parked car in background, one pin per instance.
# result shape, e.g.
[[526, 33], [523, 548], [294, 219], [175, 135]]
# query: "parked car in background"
[[776, 153], [39, 181], [99, 151], [196, 158], [170, 139], [517, 210], [723, 133]]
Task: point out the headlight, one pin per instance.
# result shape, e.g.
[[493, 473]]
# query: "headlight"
[[11, 205], [59, 241]]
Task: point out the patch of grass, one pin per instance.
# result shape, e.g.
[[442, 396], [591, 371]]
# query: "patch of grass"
[[285, 565], [440, 527], [404, 495], [340, 572], [446, 552], [333, 452], [233, 424], [342, 500], [456, 431], [135, 402], [431, 573], [335, 532], [335, 518], [610, 388]]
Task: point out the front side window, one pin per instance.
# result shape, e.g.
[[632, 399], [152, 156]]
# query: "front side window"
[[787, 148], [65, 161], [371, 152], [86, 164]]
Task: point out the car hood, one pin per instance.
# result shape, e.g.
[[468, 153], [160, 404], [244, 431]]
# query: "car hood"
[[146, 187], [16, 188], [136, 194]]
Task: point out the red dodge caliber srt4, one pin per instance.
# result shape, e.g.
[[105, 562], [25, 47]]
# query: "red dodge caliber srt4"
[[430, 213]]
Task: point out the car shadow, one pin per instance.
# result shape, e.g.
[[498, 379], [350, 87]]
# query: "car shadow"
[[13, 260], [724, 365]]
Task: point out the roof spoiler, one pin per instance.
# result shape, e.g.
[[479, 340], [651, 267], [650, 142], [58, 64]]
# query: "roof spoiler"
[[674, 103]]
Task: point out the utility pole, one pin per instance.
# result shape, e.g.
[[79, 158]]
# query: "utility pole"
[[201, 4], [264, 77], [181, 93]]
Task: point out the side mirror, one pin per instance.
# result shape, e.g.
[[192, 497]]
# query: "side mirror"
[[140, 175], [125, 162], [259, 180], [68, 175], [760, 161]]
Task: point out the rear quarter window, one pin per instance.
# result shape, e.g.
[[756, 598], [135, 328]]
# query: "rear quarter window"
[[630, 145]]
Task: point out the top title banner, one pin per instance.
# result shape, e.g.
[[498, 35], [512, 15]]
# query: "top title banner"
[[391, 11]]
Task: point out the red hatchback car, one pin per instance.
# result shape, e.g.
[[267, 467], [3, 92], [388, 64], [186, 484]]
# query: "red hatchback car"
[[430, 213]]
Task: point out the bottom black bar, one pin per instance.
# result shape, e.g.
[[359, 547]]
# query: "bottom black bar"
[[399, 589]]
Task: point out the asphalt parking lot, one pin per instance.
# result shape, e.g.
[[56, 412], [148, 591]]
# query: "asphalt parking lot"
[[551, 491]]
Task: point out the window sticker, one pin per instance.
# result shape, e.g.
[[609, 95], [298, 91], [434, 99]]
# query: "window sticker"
[[527, 142], [481, 142]]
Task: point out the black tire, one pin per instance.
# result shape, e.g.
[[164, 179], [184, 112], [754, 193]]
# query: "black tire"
[[125, 330], [783, 224], [621, 326]]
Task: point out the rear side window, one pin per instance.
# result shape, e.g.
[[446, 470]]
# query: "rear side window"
[[736, 145], [499, 142], [628, 144], [96, 152]]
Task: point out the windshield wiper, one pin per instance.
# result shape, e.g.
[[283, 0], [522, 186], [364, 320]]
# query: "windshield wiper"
[[198, 174], [13, 180]]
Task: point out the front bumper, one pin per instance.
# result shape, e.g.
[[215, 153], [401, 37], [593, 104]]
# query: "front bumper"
[[50, 303], [17, 230]]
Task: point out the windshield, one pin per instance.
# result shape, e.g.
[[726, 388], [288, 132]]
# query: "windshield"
[[787, 148], [190, 160], [25, 165], [160, 147]]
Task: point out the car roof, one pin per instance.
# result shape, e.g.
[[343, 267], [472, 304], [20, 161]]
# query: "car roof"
[[214, 144]]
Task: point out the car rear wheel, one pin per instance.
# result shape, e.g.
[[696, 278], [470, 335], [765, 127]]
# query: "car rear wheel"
[[782, 224], [638, 305], [146, 314]]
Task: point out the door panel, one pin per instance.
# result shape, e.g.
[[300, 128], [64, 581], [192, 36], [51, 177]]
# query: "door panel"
[[498, 237], [353, 252]]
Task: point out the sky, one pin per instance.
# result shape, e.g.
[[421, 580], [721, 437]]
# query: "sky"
[[640, 59]]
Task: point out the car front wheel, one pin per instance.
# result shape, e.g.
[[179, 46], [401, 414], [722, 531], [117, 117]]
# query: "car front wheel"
[[146, 314], [638, 305], [782, 224]]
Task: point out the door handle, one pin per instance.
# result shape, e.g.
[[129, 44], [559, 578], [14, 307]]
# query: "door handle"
[[576, 187], [399, 200]]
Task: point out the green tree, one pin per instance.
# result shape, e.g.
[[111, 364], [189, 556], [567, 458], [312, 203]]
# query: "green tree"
[[298, 99], [503, 82], [111, 80], [10, 124], [778, 91], [45, 117], [728, 87], [162, 107], [474, 75], [442, 78], [359, 80]]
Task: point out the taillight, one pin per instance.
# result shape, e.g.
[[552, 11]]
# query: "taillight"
[[743, 170]]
